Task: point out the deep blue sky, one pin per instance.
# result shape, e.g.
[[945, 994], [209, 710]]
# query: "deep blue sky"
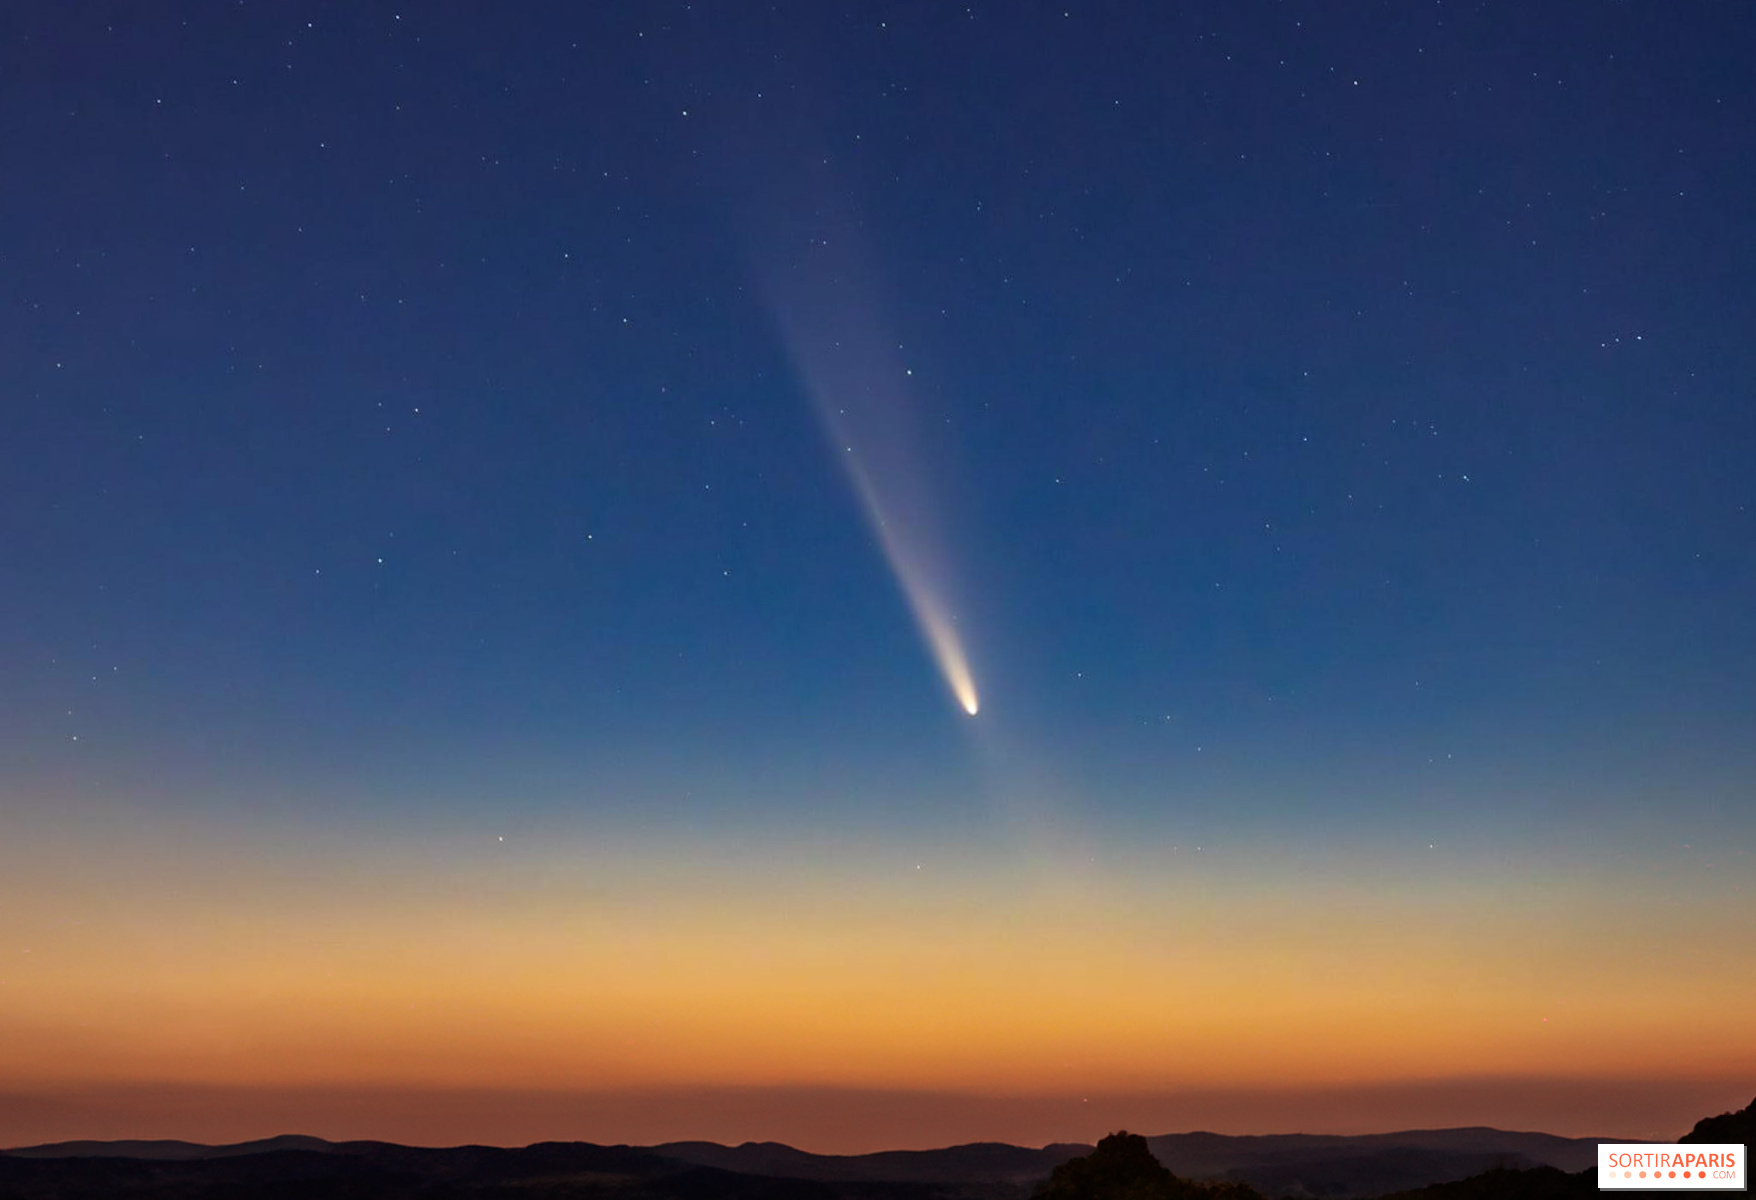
[[393, 415], [460, 466]]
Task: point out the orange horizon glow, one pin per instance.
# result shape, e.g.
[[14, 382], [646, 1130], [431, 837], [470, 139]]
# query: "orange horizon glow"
[[592, 968]]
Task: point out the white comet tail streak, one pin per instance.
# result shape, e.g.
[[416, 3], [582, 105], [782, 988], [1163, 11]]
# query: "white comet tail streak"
[[849, 370], [935, 623]]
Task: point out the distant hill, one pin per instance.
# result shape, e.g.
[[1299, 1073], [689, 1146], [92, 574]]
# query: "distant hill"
[[173, 1151], [1432, 1164], [382, 1171], [1282, 1164], [977, 1162], [1279, 1165], [1547, 1183], [1370, 1165]]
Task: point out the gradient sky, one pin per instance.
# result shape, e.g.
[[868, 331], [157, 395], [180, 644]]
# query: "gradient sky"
[[492, 501]]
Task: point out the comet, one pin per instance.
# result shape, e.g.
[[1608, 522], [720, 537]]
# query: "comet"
[[810, 259], [858, 379], [934, 622]]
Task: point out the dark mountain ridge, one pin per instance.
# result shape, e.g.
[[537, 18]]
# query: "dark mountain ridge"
[[384, 1171], [171, 1150], [975, 1162], [1422, 1162]]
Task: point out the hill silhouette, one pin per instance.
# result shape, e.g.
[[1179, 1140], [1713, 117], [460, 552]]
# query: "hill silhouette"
[[975, 1162], [1123, 1168], [1275, 1165], [1737, 1126], [1302, 1164], [384, 1171], [1547, 1183], [1444, 1164]]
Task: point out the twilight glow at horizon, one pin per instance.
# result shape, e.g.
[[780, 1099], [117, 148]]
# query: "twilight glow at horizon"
[[493, 509]]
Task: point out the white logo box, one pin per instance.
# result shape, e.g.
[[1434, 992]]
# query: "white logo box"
[[1671, 1167]]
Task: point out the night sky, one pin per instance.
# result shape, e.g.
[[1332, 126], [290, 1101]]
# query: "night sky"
[[503, 510]]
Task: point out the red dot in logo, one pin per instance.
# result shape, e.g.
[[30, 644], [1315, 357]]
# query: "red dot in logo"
[[1673, 1174], [1685, 1174]]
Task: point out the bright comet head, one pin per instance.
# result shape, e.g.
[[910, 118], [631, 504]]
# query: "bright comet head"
[[941, 634], [965, 689], [849, 369]]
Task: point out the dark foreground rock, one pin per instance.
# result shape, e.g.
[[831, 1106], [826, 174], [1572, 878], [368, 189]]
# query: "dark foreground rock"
[[1122, 1167]]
